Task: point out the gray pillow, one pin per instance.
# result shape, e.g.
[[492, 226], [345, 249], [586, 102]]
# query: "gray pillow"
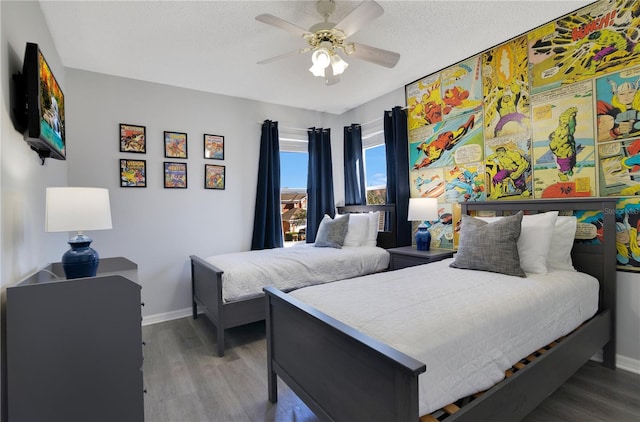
[[332, 232], [490, 246]]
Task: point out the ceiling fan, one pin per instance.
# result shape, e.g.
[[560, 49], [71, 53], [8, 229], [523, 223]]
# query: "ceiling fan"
[[325, 39]]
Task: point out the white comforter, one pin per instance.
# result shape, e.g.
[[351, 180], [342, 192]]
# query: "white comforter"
[[246, 273], [468, 327]]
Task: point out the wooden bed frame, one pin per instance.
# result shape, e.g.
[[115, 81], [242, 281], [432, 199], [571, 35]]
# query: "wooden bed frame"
[[206, 283], [344, 375]]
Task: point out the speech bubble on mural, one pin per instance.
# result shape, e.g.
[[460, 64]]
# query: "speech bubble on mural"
[[608, 150], [586, 231], [542, 112], [468, 154]]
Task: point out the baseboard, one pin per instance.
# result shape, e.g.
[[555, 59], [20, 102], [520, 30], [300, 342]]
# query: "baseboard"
[[622, 362], [166, 316]]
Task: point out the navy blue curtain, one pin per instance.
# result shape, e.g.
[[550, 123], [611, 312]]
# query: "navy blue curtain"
[[354, 189], [397, 148], [319, 180], [267, 223]]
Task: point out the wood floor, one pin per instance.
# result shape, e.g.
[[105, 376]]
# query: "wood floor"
[[186, 382]]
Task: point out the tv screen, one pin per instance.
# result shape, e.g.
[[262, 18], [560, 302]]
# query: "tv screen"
[[45, 129]]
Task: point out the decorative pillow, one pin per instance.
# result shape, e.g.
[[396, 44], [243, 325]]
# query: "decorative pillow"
[[534, 241], [564, 233], [372, 236], [357, 231], [490, 246], [331, 232]]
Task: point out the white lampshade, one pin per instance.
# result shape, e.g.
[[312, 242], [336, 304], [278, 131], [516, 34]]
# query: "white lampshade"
[[423, 209], [77, 209], [338, 65]]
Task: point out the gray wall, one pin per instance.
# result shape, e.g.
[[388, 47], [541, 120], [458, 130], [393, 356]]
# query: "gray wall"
[[156, 227]]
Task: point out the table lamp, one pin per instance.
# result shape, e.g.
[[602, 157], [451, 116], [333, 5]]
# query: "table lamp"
[[78, 209], [423, 209]]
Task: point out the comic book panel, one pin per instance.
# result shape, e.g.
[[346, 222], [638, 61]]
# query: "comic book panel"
[[446, 143], [590, 227], [627, 242], [597, 39], [505, 88], [465, 182], [426, 182], [508, 167], [619, 169], [563, 142], [618, 105], [424, 102], [461, 88]]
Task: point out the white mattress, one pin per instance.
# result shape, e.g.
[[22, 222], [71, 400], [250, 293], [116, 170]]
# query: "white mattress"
[[468, 327], [246, 273]]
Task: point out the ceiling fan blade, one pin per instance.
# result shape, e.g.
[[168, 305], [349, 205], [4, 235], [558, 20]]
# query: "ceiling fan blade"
[[280, 57], [364, 13], [375, 55], [282, 24]]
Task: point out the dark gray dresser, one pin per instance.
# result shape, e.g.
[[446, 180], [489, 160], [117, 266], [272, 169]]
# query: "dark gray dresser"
[[74, 347]]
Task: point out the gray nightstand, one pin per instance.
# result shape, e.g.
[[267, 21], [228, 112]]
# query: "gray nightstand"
[[409, 256]]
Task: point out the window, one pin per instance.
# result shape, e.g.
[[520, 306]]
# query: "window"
[[294, 160], [375, 167]]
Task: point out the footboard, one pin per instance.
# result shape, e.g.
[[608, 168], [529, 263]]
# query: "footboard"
[[206, 289], [339, 373]]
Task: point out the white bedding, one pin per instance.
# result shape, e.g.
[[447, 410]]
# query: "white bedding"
[[468, 327], [246, 273]]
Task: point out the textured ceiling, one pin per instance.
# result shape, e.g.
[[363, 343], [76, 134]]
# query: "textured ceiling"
[[214, 46]]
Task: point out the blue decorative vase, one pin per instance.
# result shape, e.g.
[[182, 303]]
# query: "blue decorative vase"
[[423, 238], [81, 260]]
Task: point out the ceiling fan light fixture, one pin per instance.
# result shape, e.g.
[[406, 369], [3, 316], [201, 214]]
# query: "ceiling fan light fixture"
[[338, 65], [321, 58]]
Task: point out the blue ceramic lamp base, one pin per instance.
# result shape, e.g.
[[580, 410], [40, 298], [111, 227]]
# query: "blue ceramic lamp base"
[[81, 260], [423, 238]]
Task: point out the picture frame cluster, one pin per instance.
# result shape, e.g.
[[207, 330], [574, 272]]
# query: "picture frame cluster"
[[133, 172]]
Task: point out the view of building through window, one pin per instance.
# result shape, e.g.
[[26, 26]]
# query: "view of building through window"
[[293, 195], [293, 185]]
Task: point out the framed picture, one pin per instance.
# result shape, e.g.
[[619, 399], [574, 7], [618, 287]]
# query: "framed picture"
[[214, 147], [133, 173], [214, 176], [175, 145], [175, 175], [133, 138]]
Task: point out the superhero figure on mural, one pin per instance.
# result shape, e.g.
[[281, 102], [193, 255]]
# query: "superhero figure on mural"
[[444, 141], [563, 144]]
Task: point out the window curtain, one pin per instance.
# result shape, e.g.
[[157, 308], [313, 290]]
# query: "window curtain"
[[267, 222], [319, 180], [354, 189], [397, 149]]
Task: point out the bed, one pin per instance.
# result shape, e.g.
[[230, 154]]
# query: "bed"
[[343, 374], [228, 307]]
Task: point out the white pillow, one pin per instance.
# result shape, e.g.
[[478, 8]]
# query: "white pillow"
[[564, 233], [358, 230], [372, 235], [534, 241]]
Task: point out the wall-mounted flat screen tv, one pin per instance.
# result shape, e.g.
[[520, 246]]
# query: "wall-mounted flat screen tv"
[[45, 122]]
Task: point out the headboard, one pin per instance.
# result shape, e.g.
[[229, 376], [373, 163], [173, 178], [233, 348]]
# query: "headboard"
[[386, 239], [598, 260]]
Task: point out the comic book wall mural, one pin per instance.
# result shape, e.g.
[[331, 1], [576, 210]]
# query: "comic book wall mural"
[[553, 113]]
